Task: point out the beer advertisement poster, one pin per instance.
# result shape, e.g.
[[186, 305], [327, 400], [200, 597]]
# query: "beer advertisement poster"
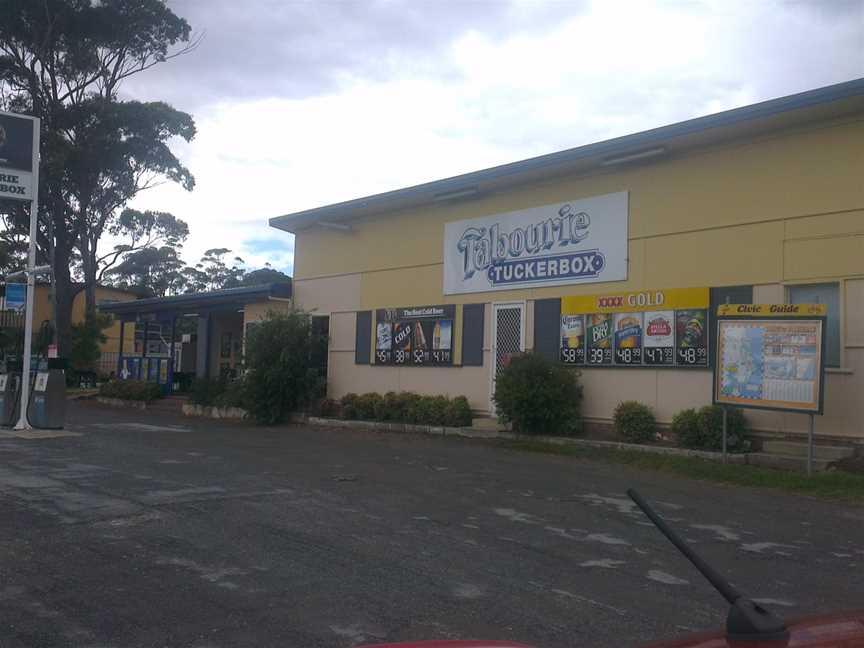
[[659, 338], [573, 339], [691, 334], [420, 335], [628, 338], [599, 333]]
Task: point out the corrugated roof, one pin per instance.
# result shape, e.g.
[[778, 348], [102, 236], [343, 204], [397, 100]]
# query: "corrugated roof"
[[830, 97], [193, 301]]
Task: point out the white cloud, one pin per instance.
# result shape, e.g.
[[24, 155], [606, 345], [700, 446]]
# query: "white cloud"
[[616, 69]]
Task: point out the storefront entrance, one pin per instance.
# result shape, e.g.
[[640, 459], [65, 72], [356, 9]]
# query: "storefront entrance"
[[508, 338]]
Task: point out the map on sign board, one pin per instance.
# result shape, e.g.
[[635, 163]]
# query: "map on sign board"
[[773, 363]]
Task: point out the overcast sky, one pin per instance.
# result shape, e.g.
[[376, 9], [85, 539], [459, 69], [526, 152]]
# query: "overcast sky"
[[301, 104]]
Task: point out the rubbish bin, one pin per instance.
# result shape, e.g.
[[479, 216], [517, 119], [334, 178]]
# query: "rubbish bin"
[[10, 397], [47, 408]]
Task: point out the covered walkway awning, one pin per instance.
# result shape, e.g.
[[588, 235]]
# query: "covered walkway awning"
[[176, 334], [216, 299]]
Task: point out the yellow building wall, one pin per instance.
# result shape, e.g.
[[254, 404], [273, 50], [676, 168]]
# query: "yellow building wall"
[[782, 209], [42, 311]]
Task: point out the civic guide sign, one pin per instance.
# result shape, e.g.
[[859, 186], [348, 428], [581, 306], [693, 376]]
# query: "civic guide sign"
[[771, 356], [571, 242], [16, 156]]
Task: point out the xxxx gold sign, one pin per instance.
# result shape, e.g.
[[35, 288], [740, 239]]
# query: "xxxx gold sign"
[[639, 300], [644, 327], [772, 310]]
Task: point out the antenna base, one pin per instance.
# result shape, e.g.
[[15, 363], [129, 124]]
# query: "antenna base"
[[749, 621]]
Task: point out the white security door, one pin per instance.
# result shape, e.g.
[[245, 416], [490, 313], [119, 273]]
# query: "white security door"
[[508, 337]]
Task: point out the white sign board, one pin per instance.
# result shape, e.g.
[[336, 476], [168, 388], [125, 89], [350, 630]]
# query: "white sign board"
[[572, 242], [16, 156]]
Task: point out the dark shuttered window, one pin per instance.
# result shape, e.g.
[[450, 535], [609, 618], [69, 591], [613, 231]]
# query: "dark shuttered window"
[[472, 335]]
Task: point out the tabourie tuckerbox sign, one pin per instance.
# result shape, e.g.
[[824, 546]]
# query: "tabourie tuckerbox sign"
[[572, 242], [16, 156]]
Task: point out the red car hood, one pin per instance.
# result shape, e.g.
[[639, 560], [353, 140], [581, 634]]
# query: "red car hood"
[[451, 644], [843, 630]]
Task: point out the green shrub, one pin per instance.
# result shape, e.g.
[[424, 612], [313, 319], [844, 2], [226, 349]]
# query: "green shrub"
[[685, 427], [368, 407], [234, 394], [87, 336], [349, 411], [635, 422], [326, 407], [539, 396], [136, 390], [459, 413], [407, 407], [703, 429], [282, 376], [205, 391]]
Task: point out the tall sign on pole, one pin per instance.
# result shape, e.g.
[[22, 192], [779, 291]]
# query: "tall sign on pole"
[[19, 180]]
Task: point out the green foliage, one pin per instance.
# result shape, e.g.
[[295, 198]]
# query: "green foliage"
[[135, 390], [538, 396], [219, 392], [703, 429], [458, 413], [205, 391], [234, 394], [87, 337], [634, 421], [65, 62], [326, 407], [407, 407], [263, 275], [281, 377], [685, 427]]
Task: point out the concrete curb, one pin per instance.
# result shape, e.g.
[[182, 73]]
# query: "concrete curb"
[[474, 433]]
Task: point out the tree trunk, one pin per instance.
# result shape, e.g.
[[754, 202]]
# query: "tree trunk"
[[63, 296], [88, 262]]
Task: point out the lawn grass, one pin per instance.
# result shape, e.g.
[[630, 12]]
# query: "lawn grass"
[[830, 485]]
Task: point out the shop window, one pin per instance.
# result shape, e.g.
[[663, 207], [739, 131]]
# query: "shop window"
[[828, 294]]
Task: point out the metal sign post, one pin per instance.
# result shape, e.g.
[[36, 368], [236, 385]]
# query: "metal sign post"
[[724, 434], [810, 446], [19, 180]]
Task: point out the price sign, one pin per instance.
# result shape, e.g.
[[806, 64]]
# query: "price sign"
[[691, 335], [659, 341], [655, 328], [573, 339], [628, 338], [599, 333], [417, 336]]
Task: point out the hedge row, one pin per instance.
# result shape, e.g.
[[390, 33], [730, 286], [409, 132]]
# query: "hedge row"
[[135, 390], [399, 407]]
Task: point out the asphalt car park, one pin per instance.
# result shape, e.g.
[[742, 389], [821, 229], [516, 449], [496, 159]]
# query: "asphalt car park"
[[134, 528]]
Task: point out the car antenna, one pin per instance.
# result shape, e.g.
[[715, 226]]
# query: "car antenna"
[[747, 620]]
